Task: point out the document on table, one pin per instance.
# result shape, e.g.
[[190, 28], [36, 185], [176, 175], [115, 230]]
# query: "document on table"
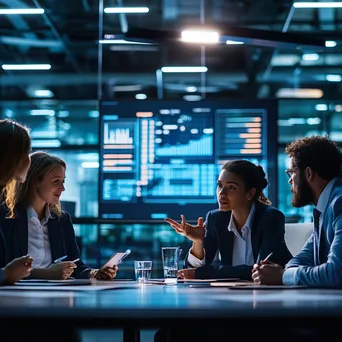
[[249, 285], [232, 283], [46, 282], [206, 281], [191, 281], [70, 285], [268, 287], [58, 288]]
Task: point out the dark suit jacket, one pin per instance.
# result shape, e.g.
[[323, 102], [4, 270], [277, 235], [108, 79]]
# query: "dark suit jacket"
[[324, 269], [61, 235], [2, 257], [267, 235]]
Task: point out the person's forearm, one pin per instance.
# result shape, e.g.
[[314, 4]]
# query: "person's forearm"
[[39, 273], [2, 276], [197, 250]]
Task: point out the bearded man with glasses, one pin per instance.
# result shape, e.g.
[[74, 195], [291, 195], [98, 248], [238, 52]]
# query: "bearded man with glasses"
[[315, 178]]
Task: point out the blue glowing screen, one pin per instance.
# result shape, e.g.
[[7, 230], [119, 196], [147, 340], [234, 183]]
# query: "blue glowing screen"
[[161, 159]]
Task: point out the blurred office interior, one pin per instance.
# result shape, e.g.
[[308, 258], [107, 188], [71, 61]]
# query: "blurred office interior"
[[69, 74]]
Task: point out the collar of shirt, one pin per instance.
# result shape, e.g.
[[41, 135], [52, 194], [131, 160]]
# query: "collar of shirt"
[[32, 213], [324, 196], [248, 224]]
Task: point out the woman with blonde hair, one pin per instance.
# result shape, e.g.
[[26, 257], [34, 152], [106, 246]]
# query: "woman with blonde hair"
[[36, 223], [15, 145]]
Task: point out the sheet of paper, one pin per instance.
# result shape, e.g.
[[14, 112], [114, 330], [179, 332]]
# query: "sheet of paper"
[[45, 282], [62, 288], [232, 283], [42, 294], [207, 280], [268, 287], [249, 285]]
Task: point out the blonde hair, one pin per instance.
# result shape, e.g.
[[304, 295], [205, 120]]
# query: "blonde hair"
[[15, 144], [17, 193]]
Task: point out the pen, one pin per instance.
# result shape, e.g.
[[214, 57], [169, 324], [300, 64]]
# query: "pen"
[[75, 260], [60, 259], [268, 256]]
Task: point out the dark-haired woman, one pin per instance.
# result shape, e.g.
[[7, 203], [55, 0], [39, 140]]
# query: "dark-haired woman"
[[15, 145], [244, 230]]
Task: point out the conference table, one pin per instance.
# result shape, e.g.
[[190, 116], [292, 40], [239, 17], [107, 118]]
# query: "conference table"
[[131, 306]]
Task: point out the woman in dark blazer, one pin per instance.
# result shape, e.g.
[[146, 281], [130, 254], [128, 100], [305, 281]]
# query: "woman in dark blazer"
[[33, 222], [15, 146], [243, 231]]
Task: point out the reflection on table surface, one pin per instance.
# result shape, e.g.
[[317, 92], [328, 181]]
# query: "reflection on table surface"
[[131, 299]]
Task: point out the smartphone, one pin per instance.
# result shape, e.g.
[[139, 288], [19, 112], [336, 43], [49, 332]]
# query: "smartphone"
[[115, 259]]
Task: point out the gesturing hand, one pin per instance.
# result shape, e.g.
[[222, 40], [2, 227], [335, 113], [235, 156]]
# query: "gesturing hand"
[[193, 233]]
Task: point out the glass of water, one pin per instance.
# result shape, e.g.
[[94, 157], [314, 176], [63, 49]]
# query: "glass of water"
[[143, 271], [170, 257]]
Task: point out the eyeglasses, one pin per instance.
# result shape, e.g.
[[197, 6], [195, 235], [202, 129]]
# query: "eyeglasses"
[[289, 173]]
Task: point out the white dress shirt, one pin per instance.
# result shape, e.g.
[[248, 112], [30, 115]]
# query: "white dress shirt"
[[242, 247], [38, 238]]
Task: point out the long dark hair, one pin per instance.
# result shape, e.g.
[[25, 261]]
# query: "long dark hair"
[[253, 176], [15, 144]]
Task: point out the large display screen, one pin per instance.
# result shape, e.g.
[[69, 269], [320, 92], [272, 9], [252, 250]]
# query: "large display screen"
[[161, 159]]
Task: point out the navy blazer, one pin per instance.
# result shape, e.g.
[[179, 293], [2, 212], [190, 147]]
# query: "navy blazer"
[[2, 257], [267, 235], [61, 235], [324, 269]]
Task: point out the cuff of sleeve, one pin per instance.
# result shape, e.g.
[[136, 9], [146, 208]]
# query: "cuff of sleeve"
[[195, 262], [290, 276], [2, 276]]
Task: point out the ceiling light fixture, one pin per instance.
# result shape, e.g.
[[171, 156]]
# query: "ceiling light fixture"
[[200, 36], [126, 10], [90, 165], [45, 143], [9, 11], [26, 66], [43, 93], [233, 42], [141, 96], [47, 112], [317, 4], [191, 89], [330, 43], [333, 78], [304, 93], [121, 41], [310, 57], [321, 107], [127, 87], [192, 97], [176, 69]]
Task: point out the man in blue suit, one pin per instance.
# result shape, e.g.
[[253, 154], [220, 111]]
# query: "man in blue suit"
[[315, 178]]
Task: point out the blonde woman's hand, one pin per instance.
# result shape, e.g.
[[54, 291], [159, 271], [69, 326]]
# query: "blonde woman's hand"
[[106, 273], [193, 233], [60, 271]]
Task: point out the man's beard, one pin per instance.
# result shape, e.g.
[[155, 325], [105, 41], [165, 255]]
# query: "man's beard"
[[302, 195]]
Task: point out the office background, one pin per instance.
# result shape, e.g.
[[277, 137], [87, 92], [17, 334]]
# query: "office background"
[[90, 63]]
